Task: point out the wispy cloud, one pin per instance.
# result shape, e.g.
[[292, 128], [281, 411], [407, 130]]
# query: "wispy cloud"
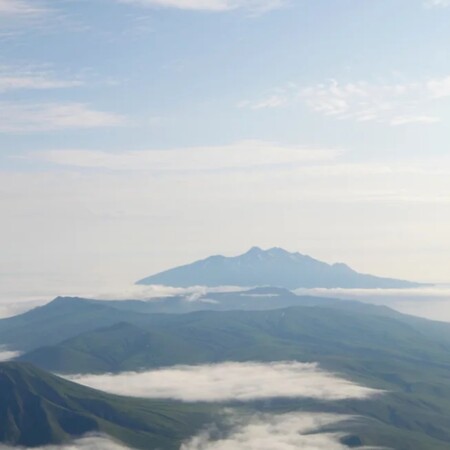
[[20, 8], [266, 431], [229, 381], [437, 3], [245, 154], [210, 5], [394, 104], [406, 120], [34, 117], [15, 78]]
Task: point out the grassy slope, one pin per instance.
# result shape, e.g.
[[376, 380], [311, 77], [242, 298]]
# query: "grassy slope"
[[39, 408], [373, 345], [368, 345]]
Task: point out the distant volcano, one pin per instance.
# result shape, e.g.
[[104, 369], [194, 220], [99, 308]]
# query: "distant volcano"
[[273, 267]]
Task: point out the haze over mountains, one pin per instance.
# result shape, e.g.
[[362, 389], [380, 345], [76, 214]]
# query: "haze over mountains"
[[273, 267], [404, 356], [141, 344]]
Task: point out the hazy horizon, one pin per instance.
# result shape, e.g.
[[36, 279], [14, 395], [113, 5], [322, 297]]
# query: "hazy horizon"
[[141, 135]]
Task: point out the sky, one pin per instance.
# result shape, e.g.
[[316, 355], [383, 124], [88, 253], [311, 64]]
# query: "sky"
[[136, 135]]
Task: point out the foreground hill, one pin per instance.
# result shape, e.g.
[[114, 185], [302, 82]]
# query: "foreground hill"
[[274, 267], [38, 408]]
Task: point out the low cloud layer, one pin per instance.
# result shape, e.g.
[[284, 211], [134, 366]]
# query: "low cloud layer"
[[14, 301], [229, 381], [266, 432], [254, 432], [7, 355], [427, 302], [39, 117], [239, 155], [93, 442]]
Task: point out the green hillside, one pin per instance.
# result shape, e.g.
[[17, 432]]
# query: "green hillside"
[[374, 346], [38, 408], [66, 317]]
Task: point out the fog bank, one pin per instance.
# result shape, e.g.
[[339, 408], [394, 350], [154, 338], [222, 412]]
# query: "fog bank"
[[229, 381]]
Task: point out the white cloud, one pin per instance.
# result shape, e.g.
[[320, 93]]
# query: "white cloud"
[[6, 355], [282, 432], [390, 103], [245, 154], [33, 117], [437, 3], [13, 78], [405, 120], [427, 302], [229, 381], [396, 104], [21, 8], [141, 292], [250, 432], [91, 442], [275, 100], [16, 302], [210, 5]]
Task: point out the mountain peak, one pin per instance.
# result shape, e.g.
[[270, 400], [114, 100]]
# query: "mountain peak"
[[272, 267], [254, 251], [271, 252]]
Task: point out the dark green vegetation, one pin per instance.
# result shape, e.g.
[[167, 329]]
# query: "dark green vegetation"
[[406, 356], [66, 317], [274, 267], [38, 408]]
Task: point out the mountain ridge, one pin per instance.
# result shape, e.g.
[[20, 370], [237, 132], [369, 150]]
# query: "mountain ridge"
[[273, 267]]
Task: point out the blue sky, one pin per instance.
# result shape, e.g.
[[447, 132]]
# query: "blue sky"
[[139, 134]]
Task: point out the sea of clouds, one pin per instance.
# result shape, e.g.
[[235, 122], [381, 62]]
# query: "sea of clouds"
[[229, 381], [292, 431]]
